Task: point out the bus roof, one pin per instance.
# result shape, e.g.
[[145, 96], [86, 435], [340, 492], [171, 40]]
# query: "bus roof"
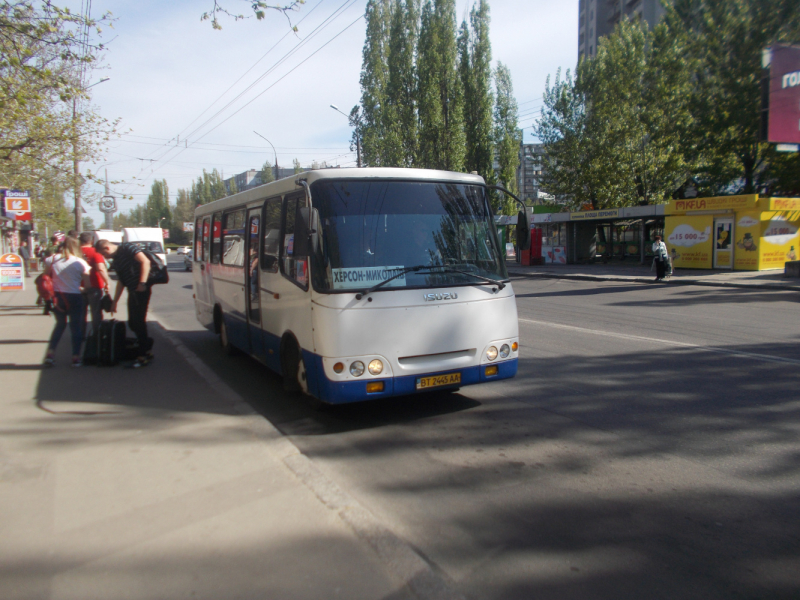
[[289, 184]]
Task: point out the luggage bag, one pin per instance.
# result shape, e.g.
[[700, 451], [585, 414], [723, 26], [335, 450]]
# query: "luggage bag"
[[110, 342]]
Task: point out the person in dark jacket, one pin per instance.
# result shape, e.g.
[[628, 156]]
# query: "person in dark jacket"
[[133, 268]]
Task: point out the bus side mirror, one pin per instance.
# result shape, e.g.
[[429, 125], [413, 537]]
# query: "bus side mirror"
[[306, 239], [523, 231]]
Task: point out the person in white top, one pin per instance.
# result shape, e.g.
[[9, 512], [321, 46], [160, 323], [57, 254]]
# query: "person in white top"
[[660, 257], [69, 272]]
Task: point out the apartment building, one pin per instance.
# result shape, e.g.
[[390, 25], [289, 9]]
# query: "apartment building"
[[597, 18]]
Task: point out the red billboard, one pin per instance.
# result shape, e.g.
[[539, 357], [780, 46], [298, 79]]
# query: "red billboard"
[[784, 96]]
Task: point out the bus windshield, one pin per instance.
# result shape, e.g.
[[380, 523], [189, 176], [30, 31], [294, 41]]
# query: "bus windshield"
[[373, 230]]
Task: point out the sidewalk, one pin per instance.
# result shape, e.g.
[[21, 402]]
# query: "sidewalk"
[[634, 272], [158, 483]]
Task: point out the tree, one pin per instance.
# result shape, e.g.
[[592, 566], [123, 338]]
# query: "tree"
[[475, 70], [46, 125], [441, 114], [507, 136], [157, 207], [267, 173], [259, 7], [88, 224], [723, 41], [297, 167], [619, 133], [182, 213], [374, 78], [232, 187], [400, 113]]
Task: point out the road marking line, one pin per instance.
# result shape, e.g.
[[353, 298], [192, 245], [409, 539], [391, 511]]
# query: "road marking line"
[[625, 336]]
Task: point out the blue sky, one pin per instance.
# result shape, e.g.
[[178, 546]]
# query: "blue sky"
[[166, 68]]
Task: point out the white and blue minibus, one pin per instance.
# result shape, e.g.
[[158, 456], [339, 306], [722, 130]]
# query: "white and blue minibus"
[[360, 283]]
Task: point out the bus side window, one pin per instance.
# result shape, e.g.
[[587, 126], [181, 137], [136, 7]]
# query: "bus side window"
[[233, 238], [198, 240], [216, 238], [206, 235], [294, 268], [272, 234]]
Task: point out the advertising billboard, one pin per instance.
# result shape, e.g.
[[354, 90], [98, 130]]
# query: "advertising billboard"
[[784, 96]]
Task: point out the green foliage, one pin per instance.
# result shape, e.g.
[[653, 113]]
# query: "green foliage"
[[442, 139], [617, 135], [259, 8], [475, 71], [88, 224], [374, 80], [157, 207], [297, 167], [267, 172], [722, 44], [232, 187], [507, 136], [46, 122], [400, 113]]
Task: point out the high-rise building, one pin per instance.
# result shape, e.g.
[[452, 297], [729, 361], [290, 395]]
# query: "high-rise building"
[[597, 18]]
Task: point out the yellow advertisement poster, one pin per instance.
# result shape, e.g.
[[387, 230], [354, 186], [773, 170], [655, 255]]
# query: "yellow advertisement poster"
[[689, 241], [779, 239], [747, 234]]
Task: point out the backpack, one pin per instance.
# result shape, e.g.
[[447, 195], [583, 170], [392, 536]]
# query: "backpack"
[[158, 270], [44, 285]]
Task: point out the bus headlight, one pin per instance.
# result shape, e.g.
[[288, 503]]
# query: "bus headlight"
[[357, 369], [504, 351], [491, 353], [375, 367]]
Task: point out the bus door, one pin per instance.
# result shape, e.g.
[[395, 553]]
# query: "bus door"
[[201, 275], [252, 283], [270, 283]]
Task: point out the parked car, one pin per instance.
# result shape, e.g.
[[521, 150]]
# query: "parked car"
[[187, 259], [183, 249]]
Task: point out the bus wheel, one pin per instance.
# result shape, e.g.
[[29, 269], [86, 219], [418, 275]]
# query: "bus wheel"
[[294, 371], [224, 341]]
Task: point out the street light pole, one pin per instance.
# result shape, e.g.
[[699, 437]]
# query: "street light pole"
[[76, 174], [358, 135], [276, 154]]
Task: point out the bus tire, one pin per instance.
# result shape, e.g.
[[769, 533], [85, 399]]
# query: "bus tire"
[[292, 367], [224, 341]]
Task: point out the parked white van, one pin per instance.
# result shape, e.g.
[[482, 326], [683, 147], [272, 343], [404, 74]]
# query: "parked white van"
[[147, 238], [115, 237]]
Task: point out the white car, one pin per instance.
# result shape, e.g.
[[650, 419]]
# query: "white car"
[[183, 250]]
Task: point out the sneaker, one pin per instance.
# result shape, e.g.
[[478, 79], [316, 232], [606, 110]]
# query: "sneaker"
[[49, 361], [76, 362], [139, 363]]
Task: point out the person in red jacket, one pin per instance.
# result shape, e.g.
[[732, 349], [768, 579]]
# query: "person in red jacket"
[[100, 281]]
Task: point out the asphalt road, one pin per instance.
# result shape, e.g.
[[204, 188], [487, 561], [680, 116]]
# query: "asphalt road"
[[648, 447]]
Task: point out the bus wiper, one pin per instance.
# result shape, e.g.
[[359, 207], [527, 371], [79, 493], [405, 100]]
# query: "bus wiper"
[[500, 285], [400, 273]]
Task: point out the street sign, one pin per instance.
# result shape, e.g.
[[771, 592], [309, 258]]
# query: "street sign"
[[17, 205], [11, 273], [166, 233]]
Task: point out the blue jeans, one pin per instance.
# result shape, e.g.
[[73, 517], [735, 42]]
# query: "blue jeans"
[[68, 306]]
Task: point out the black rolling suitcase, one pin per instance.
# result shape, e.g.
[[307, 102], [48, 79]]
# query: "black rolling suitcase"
[[110, 342]]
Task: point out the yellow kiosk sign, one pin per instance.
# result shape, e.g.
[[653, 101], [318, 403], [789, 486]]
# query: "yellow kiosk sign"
[[757, 234]]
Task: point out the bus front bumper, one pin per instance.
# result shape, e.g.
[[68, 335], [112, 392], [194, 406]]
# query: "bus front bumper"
[[344, 392]]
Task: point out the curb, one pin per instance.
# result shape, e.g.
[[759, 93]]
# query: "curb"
[[397, 555], [757, 286]]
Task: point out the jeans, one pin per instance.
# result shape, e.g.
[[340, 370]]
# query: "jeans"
[[68, 306], [137, 318]]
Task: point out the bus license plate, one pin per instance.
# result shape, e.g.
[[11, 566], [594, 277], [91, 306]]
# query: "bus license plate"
[[423, 383]]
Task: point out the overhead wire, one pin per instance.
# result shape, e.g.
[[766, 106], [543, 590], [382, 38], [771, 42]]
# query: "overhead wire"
[[347, 4]]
